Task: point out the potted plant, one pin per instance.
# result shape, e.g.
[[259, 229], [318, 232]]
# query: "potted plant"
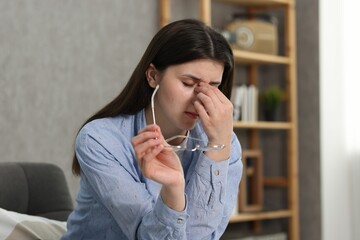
[[271, 99]]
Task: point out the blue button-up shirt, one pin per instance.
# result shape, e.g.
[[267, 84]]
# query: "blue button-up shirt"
[[116, 201]]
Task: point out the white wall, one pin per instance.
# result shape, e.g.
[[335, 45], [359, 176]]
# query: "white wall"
[[339, 99]]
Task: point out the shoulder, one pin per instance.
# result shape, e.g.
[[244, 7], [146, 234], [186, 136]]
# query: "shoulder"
[[112, 135], [127, 125], [97, 128], [110, 127], [106, 132]]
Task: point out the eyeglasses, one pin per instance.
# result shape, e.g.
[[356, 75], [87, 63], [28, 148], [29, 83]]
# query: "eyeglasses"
[[188, 143]]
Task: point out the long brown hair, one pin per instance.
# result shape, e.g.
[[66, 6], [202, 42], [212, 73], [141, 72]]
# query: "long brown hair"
[[178, 42]]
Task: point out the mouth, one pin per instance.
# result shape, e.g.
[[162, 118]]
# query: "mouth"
[[192, 115]]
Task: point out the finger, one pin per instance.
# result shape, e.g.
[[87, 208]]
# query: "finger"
[[209, 96], [143, 148], [200, 109], [212, 91], [209, 103], [152, 153], [151, 127], [149, 160], [143, 137], [144, 141], [221, 104]]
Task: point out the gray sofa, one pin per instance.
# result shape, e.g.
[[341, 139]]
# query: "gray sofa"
[[38, 189]]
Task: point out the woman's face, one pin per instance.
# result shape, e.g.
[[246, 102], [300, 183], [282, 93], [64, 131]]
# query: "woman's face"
[[174, 109]]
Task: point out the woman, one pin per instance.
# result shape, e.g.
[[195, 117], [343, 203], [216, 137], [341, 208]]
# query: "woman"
[[134, 185]]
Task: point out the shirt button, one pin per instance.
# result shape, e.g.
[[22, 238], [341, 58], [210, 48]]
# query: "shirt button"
[[180, 220], [217, 172]]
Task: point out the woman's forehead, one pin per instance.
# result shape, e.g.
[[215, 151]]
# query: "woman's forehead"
[[198, 70]]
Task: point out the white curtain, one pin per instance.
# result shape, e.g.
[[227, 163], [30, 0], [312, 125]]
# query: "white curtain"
[[340, 118], [351, 73]]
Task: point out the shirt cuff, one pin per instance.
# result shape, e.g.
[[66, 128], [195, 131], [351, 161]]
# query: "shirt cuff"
[[211, 170], [169, 216]]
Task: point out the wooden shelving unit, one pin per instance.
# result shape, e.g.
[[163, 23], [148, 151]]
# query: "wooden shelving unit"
[[262, 3], [247, 217], [262, 125], [244, 57], [289, 125]]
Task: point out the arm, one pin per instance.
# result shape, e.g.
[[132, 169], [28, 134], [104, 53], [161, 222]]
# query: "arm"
[[160, 165], [214, 184], [212, 192], [110, 168]]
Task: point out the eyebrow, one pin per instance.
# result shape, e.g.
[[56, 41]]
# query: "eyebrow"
[[197, 79]]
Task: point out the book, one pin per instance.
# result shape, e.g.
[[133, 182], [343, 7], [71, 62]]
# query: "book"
[[245, 103]]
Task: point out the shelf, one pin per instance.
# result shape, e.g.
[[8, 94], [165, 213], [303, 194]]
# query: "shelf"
[[252, 153], [262, 125], [275, 182], [244, 217], [258, 2], [245, 57]]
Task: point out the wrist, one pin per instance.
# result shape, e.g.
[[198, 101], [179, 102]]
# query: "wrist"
[[220, 153], [174, 196]]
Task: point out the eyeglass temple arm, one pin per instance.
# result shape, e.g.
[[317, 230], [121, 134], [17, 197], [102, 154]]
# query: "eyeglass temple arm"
[[152, 103]]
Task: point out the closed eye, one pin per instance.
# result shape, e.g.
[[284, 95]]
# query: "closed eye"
[[189, 84], [215, 84], [189, 80]]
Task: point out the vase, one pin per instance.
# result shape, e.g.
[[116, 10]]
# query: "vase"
[[270, 114]]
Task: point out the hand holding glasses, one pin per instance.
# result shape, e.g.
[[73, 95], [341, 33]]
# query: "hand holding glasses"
[[189, 143]]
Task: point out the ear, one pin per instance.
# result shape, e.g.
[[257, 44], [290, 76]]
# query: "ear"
[[151, 75]]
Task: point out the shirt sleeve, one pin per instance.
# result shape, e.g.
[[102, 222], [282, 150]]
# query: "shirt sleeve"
[[212, 191], [118, 186]]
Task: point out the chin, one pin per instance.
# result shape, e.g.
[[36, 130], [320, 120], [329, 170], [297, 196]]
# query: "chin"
[[189, 126]]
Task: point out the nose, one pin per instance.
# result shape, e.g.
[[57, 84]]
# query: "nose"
[[197, 85], [193, 96]]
